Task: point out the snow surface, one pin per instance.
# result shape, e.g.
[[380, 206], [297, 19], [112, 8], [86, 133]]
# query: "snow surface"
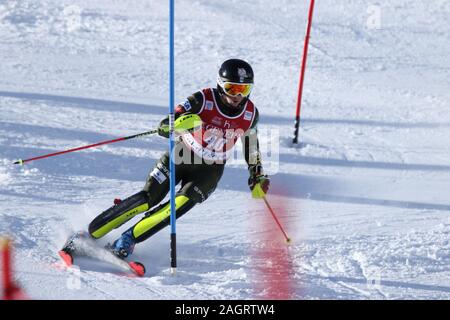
[[365, 197]]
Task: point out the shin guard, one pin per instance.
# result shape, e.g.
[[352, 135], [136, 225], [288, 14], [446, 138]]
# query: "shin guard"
[[160, 218], [118, 214]]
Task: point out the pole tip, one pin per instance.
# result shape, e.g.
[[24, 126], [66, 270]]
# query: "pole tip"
[[20, 161], [173, 271], [289, 241]]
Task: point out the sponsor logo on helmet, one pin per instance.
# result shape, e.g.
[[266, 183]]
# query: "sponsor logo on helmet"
[[242, 74]]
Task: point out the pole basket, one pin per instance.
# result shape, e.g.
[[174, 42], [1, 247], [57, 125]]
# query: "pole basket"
[[10, 290]]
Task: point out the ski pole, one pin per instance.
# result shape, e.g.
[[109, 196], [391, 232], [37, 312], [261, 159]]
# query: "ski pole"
[[21, 162], [288, 240]]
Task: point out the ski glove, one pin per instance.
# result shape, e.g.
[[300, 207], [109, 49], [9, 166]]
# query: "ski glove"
[[185, 122], [258, 182], [163, 128]]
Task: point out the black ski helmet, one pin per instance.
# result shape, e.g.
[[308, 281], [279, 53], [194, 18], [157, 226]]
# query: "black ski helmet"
[[236, 70]]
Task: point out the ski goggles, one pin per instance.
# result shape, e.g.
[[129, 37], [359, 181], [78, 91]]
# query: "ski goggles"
[[233, 89]]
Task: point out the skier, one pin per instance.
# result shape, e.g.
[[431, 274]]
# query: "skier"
[[225, 113]]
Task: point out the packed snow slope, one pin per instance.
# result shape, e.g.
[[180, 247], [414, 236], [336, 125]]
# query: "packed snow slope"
[[365, 197]]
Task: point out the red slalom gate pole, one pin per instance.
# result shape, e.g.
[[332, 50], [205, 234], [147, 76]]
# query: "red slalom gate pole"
[[288, 240], [302, 72]]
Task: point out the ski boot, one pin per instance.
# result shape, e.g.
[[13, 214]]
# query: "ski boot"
[[124, 246], [66, 253]]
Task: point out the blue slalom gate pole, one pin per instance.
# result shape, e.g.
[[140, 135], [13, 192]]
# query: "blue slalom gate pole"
[[173, 233]]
